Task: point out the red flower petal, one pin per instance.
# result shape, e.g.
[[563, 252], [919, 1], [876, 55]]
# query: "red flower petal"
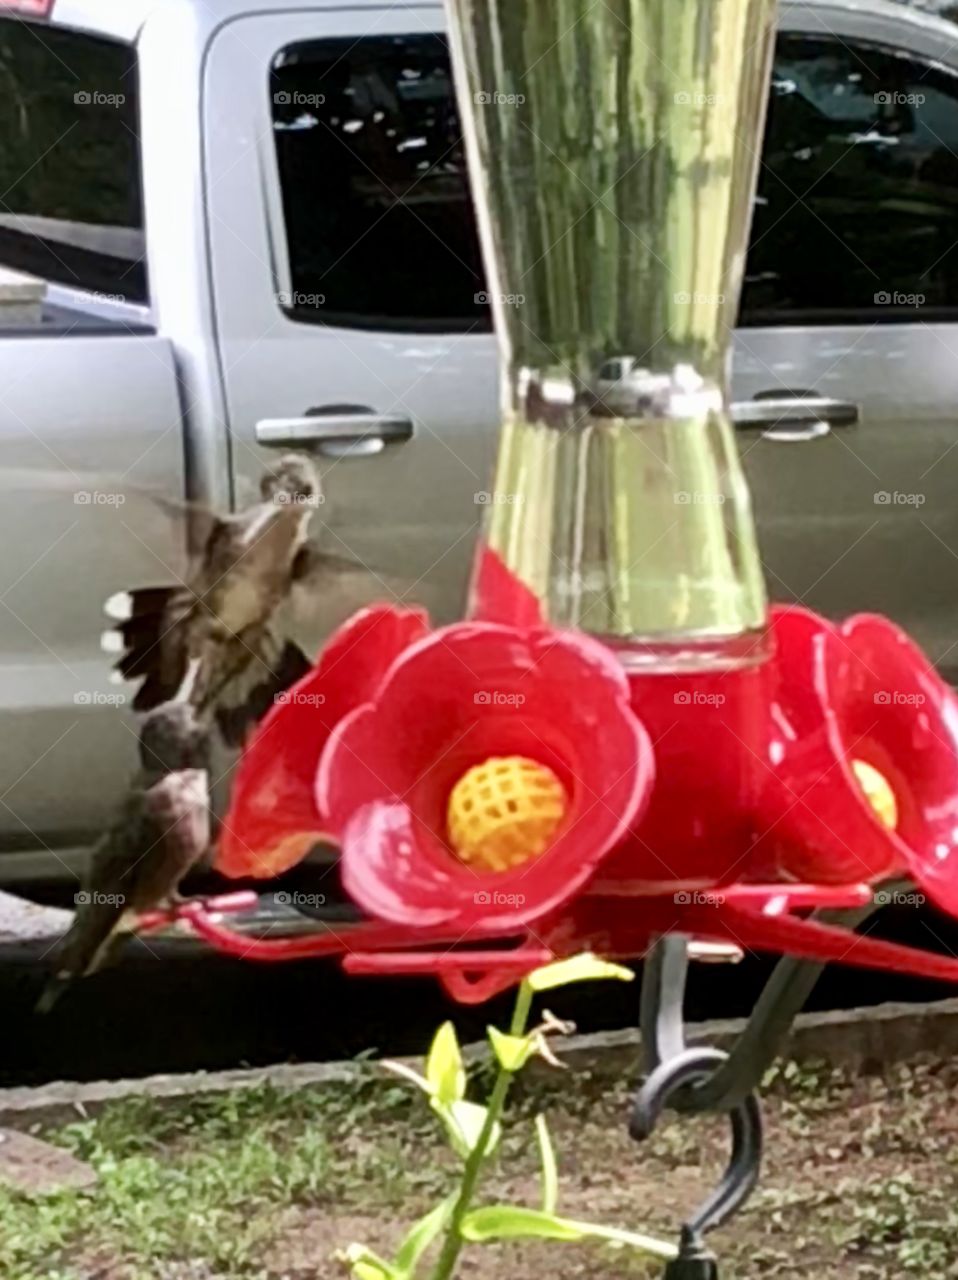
[[815, 822], [886, 698], [453, 700], [499, 595], [272, 821]]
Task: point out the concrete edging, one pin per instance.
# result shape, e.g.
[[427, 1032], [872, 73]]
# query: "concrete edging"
[[862, 1039]]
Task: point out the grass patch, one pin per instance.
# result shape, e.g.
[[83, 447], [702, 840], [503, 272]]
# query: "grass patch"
[[204, 1177], [861, 1181]]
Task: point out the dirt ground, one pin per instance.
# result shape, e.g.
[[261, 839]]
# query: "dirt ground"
[[860, 1183]]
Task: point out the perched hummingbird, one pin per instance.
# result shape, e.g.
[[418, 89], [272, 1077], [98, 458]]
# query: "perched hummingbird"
[[215, 641], [160, 832]]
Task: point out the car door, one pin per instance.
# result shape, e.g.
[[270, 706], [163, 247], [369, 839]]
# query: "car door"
[[846, 359], [89, 424], [351, 315]]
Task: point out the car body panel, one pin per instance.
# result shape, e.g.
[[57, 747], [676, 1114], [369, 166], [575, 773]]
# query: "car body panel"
[[83, 530], [178, 412]]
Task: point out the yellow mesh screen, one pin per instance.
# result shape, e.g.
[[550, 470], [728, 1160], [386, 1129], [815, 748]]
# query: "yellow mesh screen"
[[504, 812]]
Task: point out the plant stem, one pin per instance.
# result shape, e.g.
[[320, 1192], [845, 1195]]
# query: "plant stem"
[[452, 1244]]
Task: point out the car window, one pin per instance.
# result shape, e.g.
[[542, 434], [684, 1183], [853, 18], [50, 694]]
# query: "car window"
[[858, 190], [611, 371], [71, 207], [379, 221]]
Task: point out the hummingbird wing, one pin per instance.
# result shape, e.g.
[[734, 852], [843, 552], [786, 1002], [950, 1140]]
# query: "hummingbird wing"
[[196, 640], [236, 632], [278, 660], [153, 625], [252, 690], [160, 833]]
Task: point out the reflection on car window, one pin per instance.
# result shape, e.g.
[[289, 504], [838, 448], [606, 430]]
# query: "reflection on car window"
[[71, 205], [858, 192], [379, 218]]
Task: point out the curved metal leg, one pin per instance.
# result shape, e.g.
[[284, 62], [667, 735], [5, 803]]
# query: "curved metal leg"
[[662, 1000], [704, 1079], [696, 1261], [782, 999]]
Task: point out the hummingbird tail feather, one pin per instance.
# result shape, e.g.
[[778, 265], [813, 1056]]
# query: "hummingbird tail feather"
[[142, 620]]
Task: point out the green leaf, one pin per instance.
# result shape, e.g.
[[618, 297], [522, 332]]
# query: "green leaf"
[[550, 1171], [444, 1070], [512, 1052], [583, 968], [422, 1235], [367, 1265], [464, 1123], [508, 1222], [371, 1271]]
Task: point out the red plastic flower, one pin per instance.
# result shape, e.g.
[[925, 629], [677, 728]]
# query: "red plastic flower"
[[367, 748], [454, 700], [273, 822], [862, 692]]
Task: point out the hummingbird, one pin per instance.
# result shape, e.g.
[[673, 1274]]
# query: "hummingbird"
[[216, 640], [161, 830]]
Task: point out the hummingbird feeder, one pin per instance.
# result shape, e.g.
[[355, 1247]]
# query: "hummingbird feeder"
[[621, 748]]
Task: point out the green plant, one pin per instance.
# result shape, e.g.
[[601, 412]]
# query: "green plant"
[[474, 1130]]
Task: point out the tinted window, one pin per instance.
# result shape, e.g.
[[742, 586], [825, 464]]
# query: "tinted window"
[[379, 221], [70, 197], [857, 206]]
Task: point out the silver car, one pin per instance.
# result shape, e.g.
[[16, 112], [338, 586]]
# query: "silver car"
[[254, 224]]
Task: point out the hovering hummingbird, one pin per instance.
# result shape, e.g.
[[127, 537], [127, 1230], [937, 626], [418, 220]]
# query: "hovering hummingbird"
[[215, 640], [160, 832]]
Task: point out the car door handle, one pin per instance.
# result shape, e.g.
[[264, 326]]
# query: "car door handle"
[[792, 419], [336, 433]]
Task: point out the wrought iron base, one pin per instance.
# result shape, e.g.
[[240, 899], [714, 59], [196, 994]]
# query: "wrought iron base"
[[700, 1078]]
